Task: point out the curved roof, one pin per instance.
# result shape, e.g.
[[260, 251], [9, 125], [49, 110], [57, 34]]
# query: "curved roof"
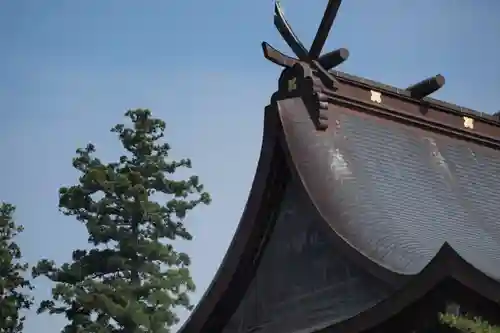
[[238, 265], [393, 195], [396, 193]]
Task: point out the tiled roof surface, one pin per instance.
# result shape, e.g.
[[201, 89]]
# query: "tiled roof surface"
[[398, 193], [412, 192]]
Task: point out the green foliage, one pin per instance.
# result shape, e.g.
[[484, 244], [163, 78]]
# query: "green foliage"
[[13, 286], [132, 278], [468, 325]]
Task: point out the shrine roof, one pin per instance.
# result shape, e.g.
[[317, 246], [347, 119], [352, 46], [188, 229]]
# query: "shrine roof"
[[396, 192]]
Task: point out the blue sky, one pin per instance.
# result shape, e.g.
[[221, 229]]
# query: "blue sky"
[[70, 69]]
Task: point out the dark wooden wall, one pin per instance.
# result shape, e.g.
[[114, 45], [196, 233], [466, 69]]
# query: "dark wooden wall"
[[302, 281]]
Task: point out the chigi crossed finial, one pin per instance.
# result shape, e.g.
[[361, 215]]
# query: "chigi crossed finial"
[[323, 63]]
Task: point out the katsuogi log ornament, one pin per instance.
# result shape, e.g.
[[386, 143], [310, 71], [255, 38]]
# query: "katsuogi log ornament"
[[312, 65]]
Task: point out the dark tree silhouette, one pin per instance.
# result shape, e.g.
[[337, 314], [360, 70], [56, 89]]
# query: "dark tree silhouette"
[[132, 278], [14, 296]]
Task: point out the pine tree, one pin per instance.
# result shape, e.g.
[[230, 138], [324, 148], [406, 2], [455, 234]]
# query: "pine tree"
[[13, 286], [132, 278]]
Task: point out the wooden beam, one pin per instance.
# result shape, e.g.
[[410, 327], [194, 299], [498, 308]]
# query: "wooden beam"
[[324, 28], [426, 87], [288, 35], [334, 58], [275, 56]]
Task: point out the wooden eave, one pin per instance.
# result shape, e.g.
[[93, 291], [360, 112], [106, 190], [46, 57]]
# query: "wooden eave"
[[239, 265], [427, 112]]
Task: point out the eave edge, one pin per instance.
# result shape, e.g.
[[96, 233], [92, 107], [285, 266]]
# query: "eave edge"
[[241, 245]]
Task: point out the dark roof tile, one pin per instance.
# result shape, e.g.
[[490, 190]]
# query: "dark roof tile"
[[399, 193]]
